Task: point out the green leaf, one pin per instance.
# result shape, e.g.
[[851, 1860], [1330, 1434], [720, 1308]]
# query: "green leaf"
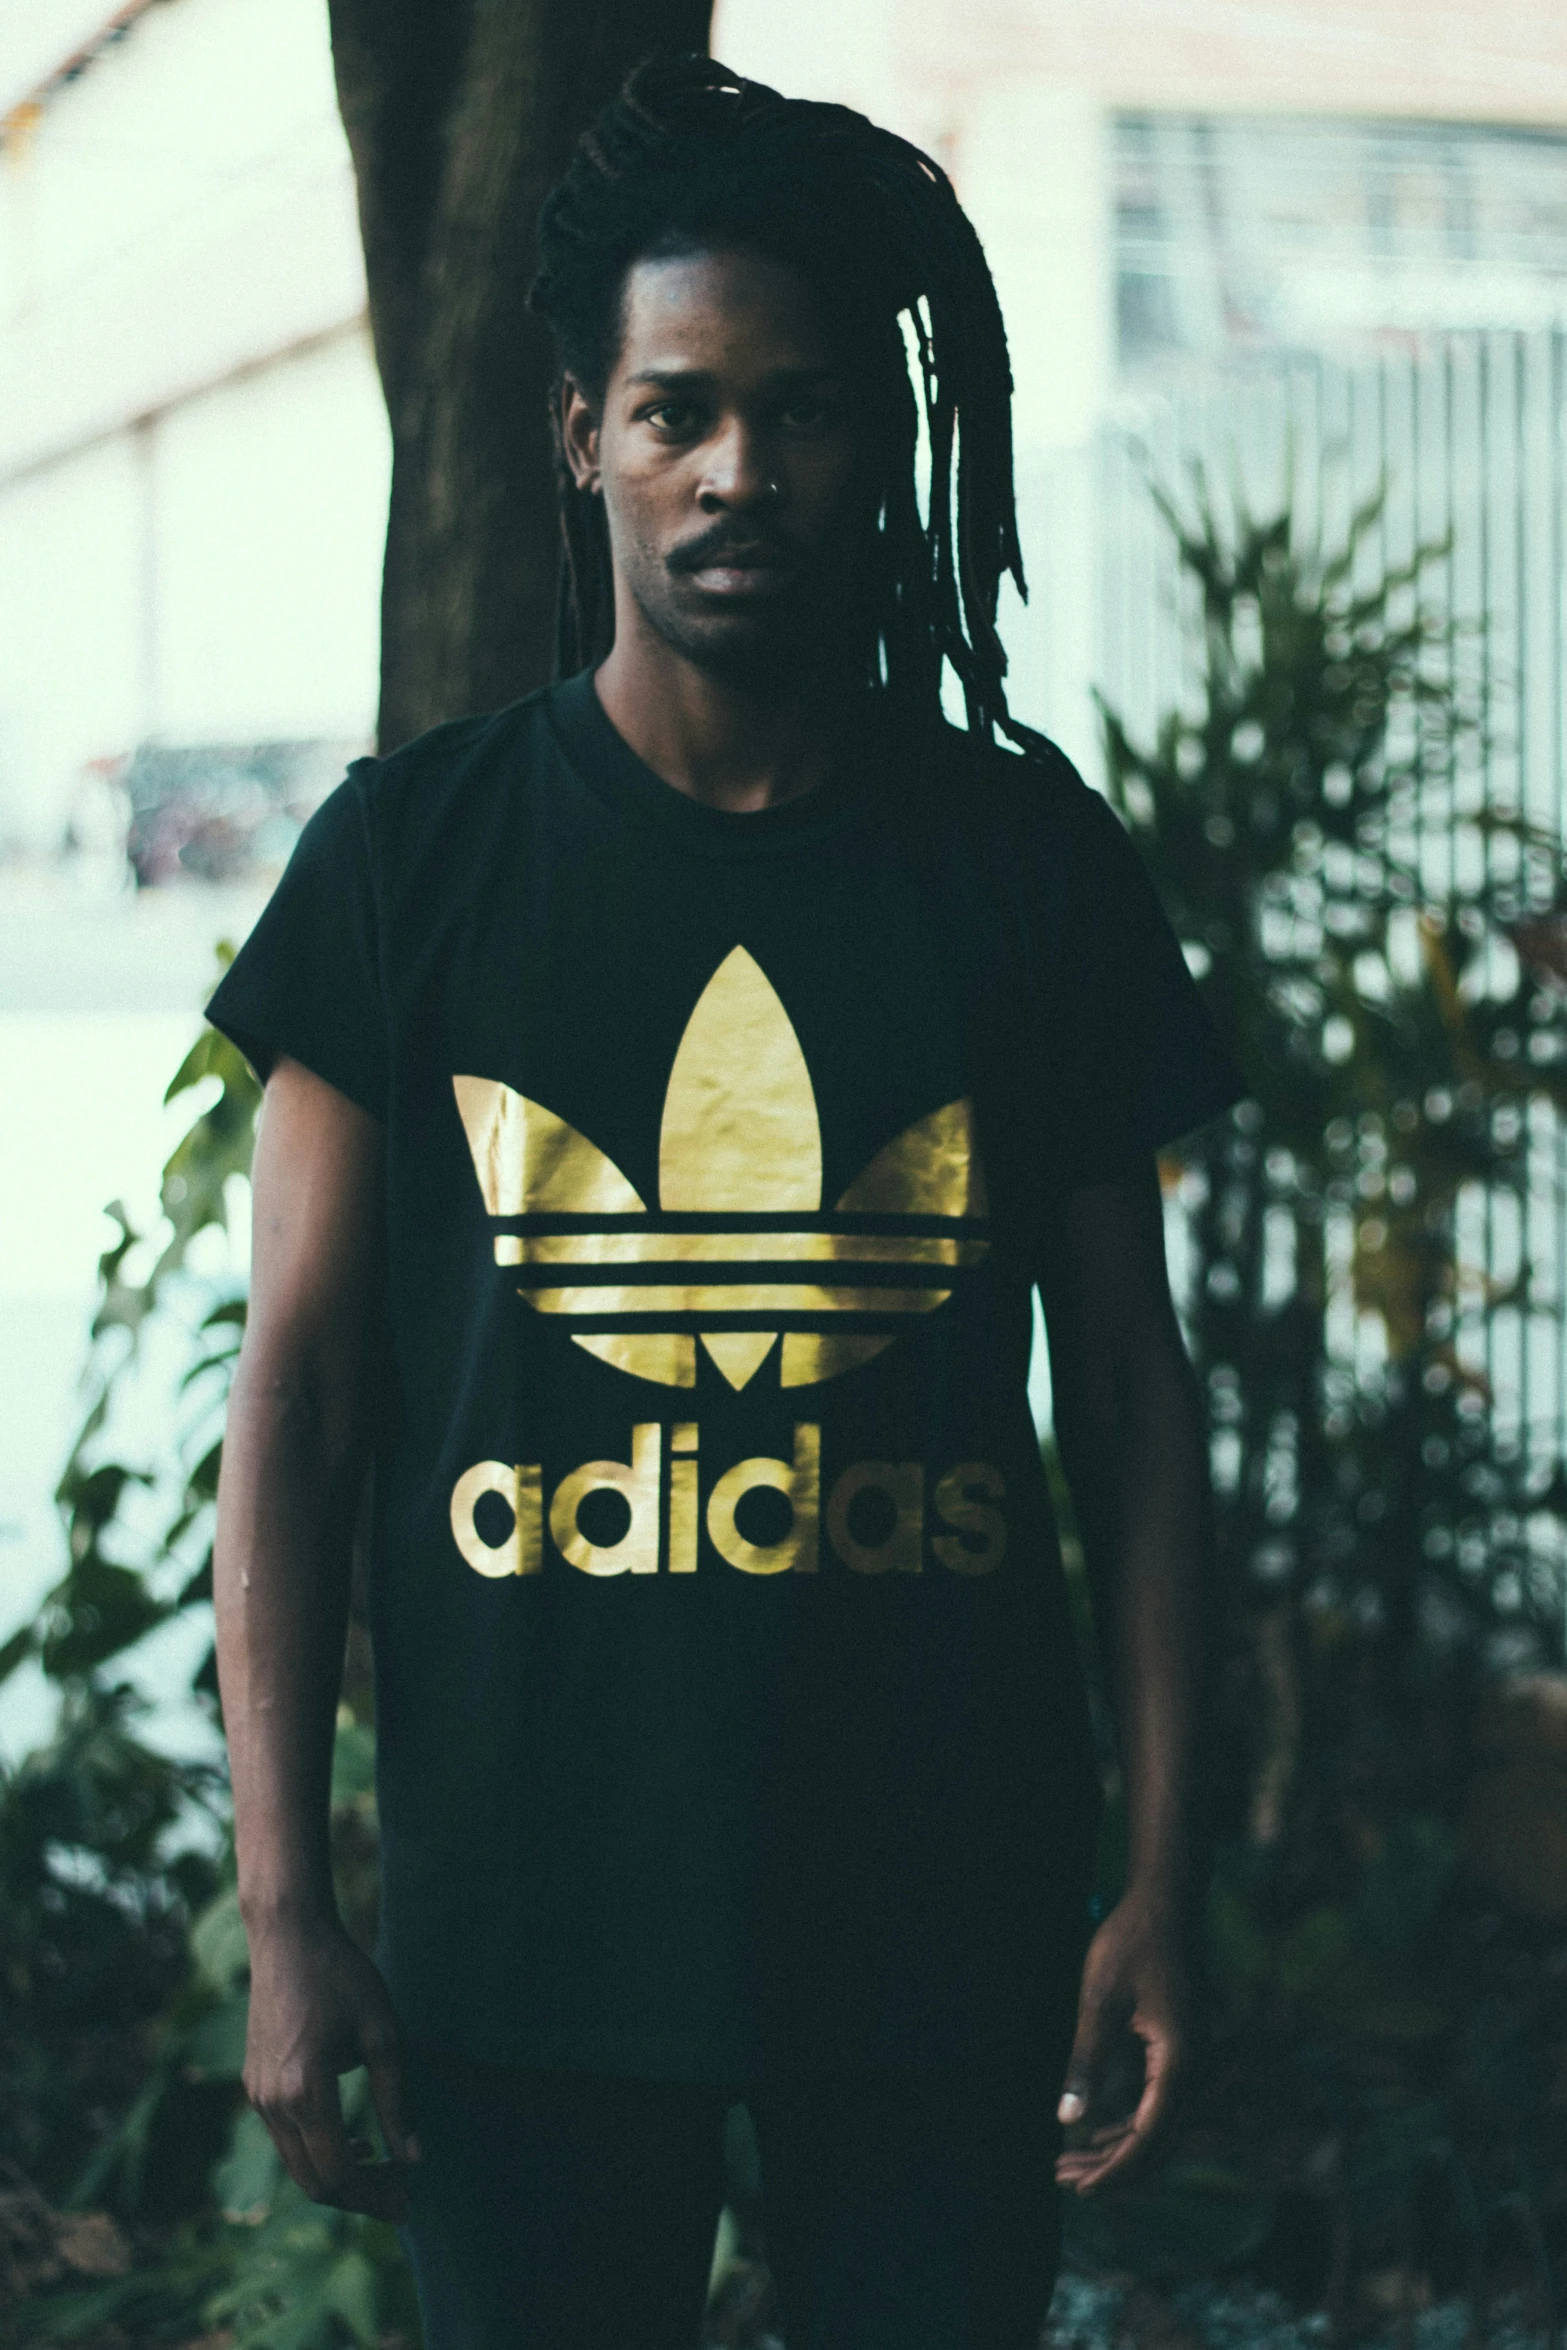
[[218, 1942], [232, 1313], [350, 2291], [16, 1650], [353, 1763], [96, 1613], [203, 1480], [213, 2048], [247, 2180]]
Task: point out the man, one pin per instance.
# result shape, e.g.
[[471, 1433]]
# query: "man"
[[676, 1085]]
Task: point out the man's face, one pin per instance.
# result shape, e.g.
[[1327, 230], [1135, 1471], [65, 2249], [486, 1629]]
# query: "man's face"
[[726, 455]]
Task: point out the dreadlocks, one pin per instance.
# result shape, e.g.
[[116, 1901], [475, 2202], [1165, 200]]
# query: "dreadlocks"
[[690, 156]]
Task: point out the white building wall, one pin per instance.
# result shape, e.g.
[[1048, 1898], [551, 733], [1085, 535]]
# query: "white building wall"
[[270, 511], [209, 575], [184, 208], [72, 668], [194, 453], [1031, 161]]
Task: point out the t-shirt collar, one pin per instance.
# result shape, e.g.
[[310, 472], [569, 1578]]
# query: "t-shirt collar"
[[608, 764]]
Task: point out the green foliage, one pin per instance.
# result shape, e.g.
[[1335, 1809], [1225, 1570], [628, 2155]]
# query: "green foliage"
[[139, 1533], [94, 1915], [121, 1948], [248, 2252], [253, 2256], [1383, 940], [109, 1850], [1382, 943]]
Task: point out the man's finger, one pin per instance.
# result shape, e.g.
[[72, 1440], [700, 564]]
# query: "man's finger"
[[374, 2188], [318, 2117], [1087, 2166], [1089, 2172], [1079, 2159], [1082, 2069], [1084, 2170], [350, 2179], [1120, 2149], [1162, 2062], [292, 2153]]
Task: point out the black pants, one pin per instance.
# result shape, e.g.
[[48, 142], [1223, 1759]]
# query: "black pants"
[[570, 2212]]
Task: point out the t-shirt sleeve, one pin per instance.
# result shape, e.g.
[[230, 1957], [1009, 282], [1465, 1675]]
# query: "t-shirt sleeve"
[[306, 985], [1142, 1061]]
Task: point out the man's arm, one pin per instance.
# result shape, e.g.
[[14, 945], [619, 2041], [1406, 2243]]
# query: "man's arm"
[[1129, 1424], [293, 1464]]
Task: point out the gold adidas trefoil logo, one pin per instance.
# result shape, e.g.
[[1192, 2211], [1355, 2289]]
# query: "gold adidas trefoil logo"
[[739, 1145]]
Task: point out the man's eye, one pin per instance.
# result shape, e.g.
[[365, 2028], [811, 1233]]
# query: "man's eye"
[[807, 415], [671, 416]]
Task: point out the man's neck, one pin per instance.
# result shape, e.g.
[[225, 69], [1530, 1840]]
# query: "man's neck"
[[729, 745]]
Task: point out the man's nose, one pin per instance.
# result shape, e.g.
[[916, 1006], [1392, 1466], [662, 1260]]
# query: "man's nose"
[[737, 474]]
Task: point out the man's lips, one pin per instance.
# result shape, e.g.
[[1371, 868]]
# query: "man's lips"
[[741, 571], [735, 569]]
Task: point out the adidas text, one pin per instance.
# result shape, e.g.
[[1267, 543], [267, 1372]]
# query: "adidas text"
[[878, 1517]]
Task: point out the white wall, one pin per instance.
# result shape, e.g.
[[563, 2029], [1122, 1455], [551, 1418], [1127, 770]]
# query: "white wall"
[[210, 575], [183, 209], [35, 35], [194, 455], [849, 55], [1441, 60], [1031, 161], [72, 668], [270, 503]]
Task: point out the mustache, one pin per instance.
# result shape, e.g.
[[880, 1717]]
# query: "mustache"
[[729, 537]]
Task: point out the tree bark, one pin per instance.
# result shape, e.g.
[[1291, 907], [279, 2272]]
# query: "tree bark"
[[461, 114]]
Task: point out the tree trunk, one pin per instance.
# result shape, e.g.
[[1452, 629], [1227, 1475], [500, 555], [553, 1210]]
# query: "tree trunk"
[[460, 115]]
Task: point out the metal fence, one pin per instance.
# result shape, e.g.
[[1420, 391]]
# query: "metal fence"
[[1464, 436]]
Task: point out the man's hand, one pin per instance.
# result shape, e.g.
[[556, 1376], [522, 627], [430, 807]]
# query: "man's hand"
[[1133, 1440], [318, 2008], [1134, 1982]]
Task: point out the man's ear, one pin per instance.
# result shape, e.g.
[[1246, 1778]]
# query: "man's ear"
[[579, 433]]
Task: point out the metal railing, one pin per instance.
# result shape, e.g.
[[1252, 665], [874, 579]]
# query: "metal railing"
[[1462, 436]]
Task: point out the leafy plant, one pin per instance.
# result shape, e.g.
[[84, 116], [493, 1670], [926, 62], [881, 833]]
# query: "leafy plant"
[[1382, 942], [108, 1849], [95, 1912], [121, 1945], [1382, 937], [140, 1533]]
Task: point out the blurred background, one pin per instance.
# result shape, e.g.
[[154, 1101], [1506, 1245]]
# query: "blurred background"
[[1287, 297]]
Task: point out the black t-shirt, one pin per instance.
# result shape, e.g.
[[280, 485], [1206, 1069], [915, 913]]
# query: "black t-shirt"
[[729, 1714]]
